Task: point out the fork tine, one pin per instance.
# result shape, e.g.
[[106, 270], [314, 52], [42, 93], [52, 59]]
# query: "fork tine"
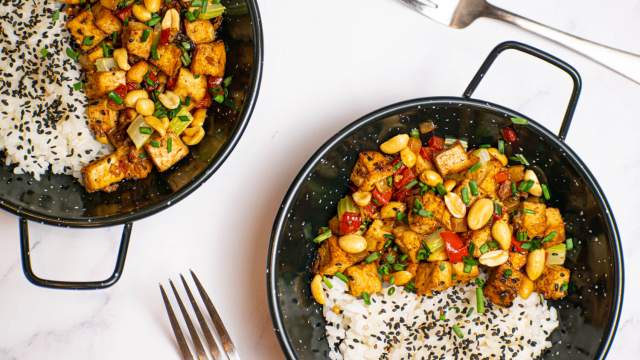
[[182, 342], [192, 330], [213, 346], [227, 344]]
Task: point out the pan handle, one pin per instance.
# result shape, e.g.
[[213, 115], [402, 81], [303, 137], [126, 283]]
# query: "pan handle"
[[577, 82], [71, 285]]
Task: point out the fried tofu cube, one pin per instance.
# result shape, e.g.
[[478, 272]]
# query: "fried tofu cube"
[[460, 276], [110, 4], [136, 42], [105, 20], [489, 186], [479, 238], [554, 223], [118, 135], [209, 59], [533, 219], [190, 85], [102, 119], [370, 168], [101, 83], [453, 160], [376, 233], [166, 151], [516, 173], [409, 242], [363, 278], [517, 260], [331, 258], [503, 284], [433, 276], [84, 31], [554, 282], [200, 31], [168, 59], [440, 216], [125, 163]]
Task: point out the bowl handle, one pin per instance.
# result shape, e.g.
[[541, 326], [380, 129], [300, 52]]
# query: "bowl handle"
[[577, 82], [71, 285]]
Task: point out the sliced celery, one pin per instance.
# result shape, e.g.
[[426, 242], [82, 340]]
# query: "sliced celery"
[[181, 121], [209, 11], [105, 64], [556, 254], [346, 205], [434, 242], [138, 131]]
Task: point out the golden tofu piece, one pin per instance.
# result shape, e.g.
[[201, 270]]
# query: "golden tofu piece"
[[125, 163], [554, 223], [105, 20], [433, 276], [191, 85], [370, 168], [409, 242], [516, 173], [102, 119], [503, 284], [84, 31], [200, 31], [440, 216], [480, 237], [554, 282], [453, 160], [209, 59], [168, 59], [166, 151], [488, 186], [375, 234], [110, 4], [101, 83], [533, 219], [517, 260], [135, 40], [459, 276], [363, 278], [331, 258]]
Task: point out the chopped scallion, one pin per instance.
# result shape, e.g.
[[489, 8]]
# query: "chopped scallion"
[[484, 248], [169, 144], [87, 41], [479, 300], [550, 236], [465, 195], [458, 331], [569, 243], [501, 146], [519, 121], [475, 167], [545, 192], [372, 257], [324, 235], [327, 282], [115, 98], [56, 15], [441, 190], [415, 133], [473, 186], [145, 130], [365, 296], [391, 290], [342, 277]]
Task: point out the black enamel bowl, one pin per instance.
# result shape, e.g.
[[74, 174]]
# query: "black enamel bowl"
[[588, 316], [62, 201]]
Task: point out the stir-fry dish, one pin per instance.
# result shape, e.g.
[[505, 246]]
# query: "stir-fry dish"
[[431, 216], [152, 69]]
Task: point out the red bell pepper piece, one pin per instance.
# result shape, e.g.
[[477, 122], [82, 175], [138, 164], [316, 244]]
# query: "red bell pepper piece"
[[402, 178], [509, 134], [501, 177], [516, 245], [165, 34], [436, 143], [350, 222], [454, 246], [426, 153], [394, 164], [214, 82], [124, 13], [369, 210], [132, 86], [171, 82], [382, 198], [401, 195]]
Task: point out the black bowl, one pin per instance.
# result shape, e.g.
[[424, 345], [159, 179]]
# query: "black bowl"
[[588, 315], [60, 200]]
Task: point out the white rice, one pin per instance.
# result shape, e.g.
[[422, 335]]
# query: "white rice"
[[407, 326], [42, 118]]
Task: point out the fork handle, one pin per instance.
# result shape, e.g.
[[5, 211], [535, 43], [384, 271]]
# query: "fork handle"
[[622, 62]]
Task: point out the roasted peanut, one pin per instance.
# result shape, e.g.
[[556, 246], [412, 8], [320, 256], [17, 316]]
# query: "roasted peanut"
[[535, 263], [157, 124], [141, 12], [133, 96], [401, 277], [449, 184], [536, 189], [199, 117], [494, 258], [122, 59], [361, 198], [479, 214], [395, 144], [316, 289], [145, 107], [169, 99], [193, 135], [408, 157], [137, 72], [455, 205], [352, 243], [502, 158], [501, 232], [526, 287], [431, 178], [153, 5]]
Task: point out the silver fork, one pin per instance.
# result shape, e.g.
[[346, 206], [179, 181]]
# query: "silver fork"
[[461, 13], [219, 329]]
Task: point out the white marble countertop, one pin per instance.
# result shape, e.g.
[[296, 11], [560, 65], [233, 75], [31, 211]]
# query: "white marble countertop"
[[327, 63]]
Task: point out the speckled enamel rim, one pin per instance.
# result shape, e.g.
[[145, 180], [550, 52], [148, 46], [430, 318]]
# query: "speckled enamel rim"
[[223, 154], [612, 228]]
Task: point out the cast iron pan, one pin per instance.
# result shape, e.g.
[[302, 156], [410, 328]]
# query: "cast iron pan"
[[62, 201], [588, 316]]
